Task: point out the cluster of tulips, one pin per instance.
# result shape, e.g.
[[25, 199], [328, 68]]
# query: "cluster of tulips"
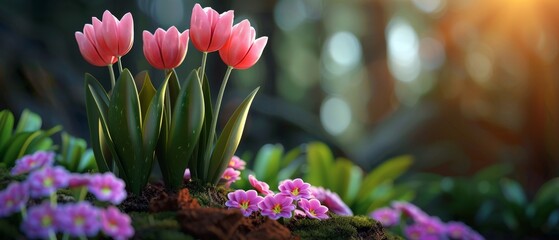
[[175, 124]]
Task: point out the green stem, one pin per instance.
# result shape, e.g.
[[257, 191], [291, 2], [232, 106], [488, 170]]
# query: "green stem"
[[214, 122], [83, 193], [112, 75], [119, 65], [52, 235], [23, 212], [66, 236], [203, 67], [53, 199], [83, 237]]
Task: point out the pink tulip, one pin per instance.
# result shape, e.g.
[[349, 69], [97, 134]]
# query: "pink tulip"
[[165, 49], [90, 50], [114, 36], [242, 51], [209, 31]]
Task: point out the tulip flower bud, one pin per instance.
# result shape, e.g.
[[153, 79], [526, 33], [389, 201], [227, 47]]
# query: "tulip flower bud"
[[90, 50], [114, 36], [209, 31], [242, 51], [165, 49]]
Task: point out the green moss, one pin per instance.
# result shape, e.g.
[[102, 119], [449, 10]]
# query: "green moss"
[[6, 178], [208, 195], [160, 225], [337, 227]]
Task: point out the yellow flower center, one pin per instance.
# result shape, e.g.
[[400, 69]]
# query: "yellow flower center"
[[79, 221], [277, 208], [106, 190], [46, 221], [48, 182], [295, 192], [244, 204]]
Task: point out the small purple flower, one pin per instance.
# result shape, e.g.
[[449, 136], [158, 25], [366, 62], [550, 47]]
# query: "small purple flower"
[[47, 180], [247, 201], [313, 208], [459, 230], [295, 189], [237, 163], [432, 226], [116, 224], [107, 187], [261, 187], [80, 219], [13, 198], [78, 180], [40, 221], [415, 232], [230, 176], [410, 210], [31, 162], [331, 200], [388, 217], [276, 206], [187, 175]]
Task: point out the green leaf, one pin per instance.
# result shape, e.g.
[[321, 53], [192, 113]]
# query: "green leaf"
[[513, 192], [201, 145], [97, 104], [545, 201], [229, 139], [125, 127], [15, 147], [291, 156], [28, 122], [320, 162], [6, 128], [186, 124], [387, 171], [494, 172], [346, 179], [267, 162], [87, 162], [146, 93]]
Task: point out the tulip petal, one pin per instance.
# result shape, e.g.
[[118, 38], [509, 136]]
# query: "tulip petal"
[[169, 47], [240, 42], [110, 32], [253, 54], [200, 28], [98, 35], [125, 34], [151, 50], [183, 47], [222, 31], [88, 51]]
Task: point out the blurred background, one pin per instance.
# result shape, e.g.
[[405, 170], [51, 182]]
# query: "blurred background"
[[459, 84]]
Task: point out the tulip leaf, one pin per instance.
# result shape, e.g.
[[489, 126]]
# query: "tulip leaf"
[[146, 93], [174, 88], [387, 171], [28, 122], [267, 162], [6, 127], [320, 162], [201, 146], [186, 124], [125, 127], [229, 139], [97, 104]]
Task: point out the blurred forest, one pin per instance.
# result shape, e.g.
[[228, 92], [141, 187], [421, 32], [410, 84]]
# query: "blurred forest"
[[459, 84]]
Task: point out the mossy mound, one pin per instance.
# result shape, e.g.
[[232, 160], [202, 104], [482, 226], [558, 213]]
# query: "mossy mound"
[[208, 195], [338, 227]]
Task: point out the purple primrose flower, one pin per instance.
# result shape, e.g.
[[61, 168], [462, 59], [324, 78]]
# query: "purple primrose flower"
[[13, 198], [80, 219], [32, 162], [230, 176], [276, 206], [47, 180], [295, 189], [237, 163], [247, 201], [187, 176], [313, 208], [388, 217], [332, 201], [116, 224], [107, 187], [78, 180], [410, 210], [40, 221]]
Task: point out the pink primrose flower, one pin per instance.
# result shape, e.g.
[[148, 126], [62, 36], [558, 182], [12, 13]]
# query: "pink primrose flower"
[[230, 176], [187, 175], [40, 221], [237, 163], [410, 210], [78, 180], [115, 224], [331, 200], [313, 208], [247, 201], [295, 189], [107, 187], [276, 206], [388, 217], [261, 187]]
